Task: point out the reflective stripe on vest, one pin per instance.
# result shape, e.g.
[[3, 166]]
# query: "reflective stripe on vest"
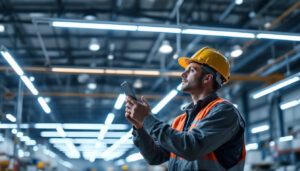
[[179, 122]]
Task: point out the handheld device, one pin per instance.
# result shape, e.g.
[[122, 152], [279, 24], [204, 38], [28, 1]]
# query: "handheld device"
[[128, 90]]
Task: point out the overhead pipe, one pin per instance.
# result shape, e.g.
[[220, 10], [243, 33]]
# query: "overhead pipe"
[[282, 64]]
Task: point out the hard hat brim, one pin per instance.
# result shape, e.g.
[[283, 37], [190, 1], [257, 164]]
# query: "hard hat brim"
[[185, 61]]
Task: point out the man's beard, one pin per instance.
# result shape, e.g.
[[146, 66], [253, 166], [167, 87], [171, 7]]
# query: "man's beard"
[[188, 87]]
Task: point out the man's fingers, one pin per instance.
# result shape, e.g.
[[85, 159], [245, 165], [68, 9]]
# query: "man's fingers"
[[130, 100], [145, 101], [133, 121]]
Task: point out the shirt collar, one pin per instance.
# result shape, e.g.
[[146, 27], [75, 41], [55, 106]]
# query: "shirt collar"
[[203, 102]]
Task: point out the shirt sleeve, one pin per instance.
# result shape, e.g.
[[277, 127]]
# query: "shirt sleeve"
[[218, 127], [152, 152]]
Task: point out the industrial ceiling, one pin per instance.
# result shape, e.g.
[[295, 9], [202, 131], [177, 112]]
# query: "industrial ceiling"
[[38, 47]]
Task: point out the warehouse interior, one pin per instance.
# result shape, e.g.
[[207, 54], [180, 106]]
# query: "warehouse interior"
[[62, 63]]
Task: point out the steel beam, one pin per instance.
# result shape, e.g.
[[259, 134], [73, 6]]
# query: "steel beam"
[[136, 72], [84, 95]]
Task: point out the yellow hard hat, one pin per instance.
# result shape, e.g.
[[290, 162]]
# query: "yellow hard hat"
[[211, 57]]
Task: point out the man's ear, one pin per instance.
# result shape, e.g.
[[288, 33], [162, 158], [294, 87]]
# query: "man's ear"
[[207, 78]]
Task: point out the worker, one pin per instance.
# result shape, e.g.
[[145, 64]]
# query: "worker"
[[208, 136]]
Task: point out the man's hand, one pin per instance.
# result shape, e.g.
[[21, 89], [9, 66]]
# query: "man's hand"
[[136, 112]]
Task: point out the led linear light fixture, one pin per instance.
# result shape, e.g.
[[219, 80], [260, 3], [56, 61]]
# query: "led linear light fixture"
[[103, 26], [11, 61], [72, 126], [109, 119], [90, 134], [159, 29], [164, 101], [276, 86], [134, 157], [175, 29], [260, 129], [8, 57], [218, 33], [290, 104], [119, 102], [253, 146], [11, 117], [61, 131], [44, 105], [286, 138], [278, 36], [29, 85]]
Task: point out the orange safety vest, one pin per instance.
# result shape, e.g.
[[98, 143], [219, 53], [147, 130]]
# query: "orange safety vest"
[[178, 125]]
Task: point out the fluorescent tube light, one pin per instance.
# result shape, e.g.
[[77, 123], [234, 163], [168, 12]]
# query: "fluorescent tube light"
[[46, 125], [35, 148], [50, 153], [87, 134], [218, 33], [73, 126], [94, 26], [253, 146], [116, 145], [120, 101], [25, 138], [12, 62], [12, 126], [30, 143], [109, 119], [19, 134], [164, 101], [290, 104], [14, 131], [2, 28], [91, 141], [67, 164], [278, 37], [44, 105], [74, 153], [10, 117], [120, 162], [102, 133], [286, 138], [29, 85], [179, 87], [276, 86], [61, 131], [260, 129], [134, 157], [159, 29]]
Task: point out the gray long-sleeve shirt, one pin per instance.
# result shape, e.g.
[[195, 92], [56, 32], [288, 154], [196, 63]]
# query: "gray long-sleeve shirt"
[[223, 124]]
